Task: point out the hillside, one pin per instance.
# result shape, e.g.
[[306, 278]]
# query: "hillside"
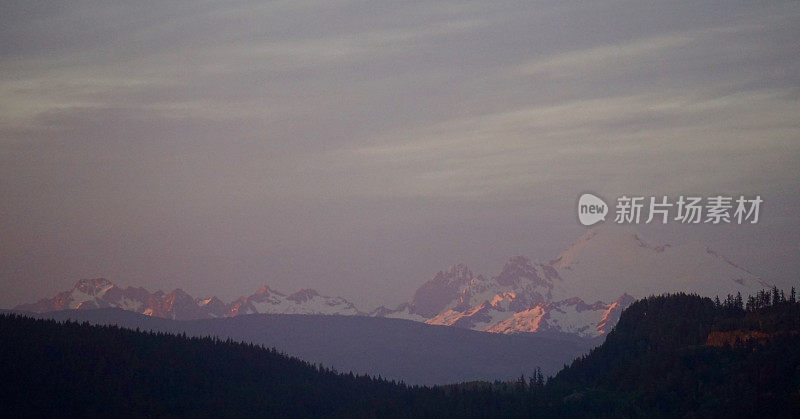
[[413, 352], [679, 355], [67, 369], [669, 356]]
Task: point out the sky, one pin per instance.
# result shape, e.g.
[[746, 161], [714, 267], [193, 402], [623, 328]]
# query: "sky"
[[360, 147]]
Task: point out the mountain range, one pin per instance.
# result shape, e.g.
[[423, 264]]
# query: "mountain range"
[[581, 292], [178, 305]]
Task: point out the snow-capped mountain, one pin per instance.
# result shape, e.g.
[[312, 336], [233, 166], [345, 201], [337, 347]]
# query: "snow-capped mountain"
[[306, 301], [519, 299], [571, 316], [607, 260], [433, 296], [582, 291], [178, 305]]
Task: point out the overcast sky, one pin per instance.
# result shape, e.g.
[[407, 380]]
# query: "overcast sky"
[[359, 147]]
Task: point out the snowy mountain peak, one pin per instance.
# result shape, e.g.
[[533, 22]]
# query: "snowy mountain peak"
[[178, 293], [608, 265], [208, 301], [435, 294], [457, 274], [179, 305], [516, 270], [266, 290], [609, 260], [303, 295], [613, 237], [95, 286]]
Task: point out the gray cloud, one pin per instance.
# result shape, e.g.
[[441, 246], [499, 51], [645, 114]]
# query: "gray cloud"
[[358, 147]]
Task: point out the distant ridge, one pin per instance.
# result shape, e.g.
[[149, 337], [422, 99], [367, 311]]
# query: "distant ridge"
[[413, 352], [581, 291], [178, 305]]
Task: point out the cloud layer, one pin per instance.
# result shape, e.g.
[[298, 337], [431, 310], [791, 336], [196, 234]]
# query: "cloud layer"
[[357, 147]]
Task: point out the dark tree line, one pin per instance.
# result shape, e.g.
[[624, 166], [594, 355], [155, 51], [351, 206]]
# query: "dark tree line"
[[654, 363], [763, 299]]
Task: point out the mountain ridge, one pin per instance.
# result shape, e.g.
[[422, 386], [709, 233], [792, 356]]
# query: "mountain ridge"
[[581, 291]]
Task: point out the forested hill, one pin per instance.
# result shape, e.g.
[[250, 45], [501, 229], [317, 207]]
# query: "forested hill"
[[677, 355], [680, 354], [60, 369]]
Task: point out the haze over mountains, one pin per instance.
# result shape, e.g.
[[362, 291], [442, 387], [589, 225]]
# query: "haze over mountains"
[[413, 352], [580, 292]]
